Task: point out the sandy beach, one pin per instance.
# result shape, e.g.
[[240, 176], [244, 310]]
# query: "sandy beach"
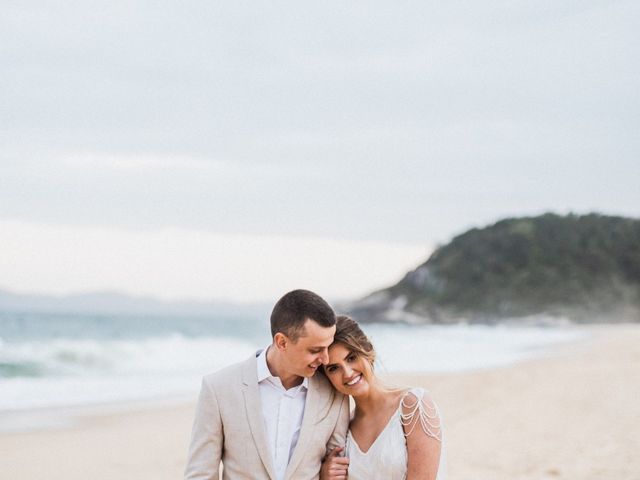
[[572, 414]]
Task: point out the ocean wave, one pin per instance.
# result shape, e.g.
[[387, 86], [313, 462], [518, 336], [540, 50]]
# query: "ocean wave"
[[82, 357], [71, 371], [454, 348], [20, 369], [67, 372]]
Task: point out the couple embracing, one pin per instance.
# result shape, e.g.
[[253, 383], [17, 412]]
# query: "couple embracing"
[[284, 414]]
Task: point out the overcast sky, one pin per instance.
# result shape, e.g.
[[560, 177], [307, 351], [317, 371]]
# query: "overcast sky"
[[236, 149]]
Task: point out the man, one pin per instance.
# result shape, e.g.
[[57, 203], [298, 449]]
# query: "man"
[[270, 417]]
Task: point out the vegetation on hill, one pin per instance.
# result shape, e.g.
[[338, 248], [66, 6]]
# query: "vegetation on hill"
[[584, 267]]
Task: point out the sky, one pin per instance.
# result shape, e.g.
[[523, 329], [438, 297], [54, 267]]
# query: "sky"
[[236, 150]]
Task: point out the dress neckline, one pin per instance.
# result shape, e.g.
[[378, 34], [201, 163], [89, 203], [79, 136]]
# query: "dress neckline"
[[393, 415]]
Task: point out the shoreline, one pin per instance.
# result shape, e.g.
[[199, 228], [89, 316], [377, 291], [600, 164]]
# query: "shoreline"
[[64, 414], [569, 413]]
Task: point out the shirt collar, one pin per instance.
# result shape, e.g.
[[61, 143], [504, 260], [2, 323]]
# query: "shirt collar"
[[265, 374]]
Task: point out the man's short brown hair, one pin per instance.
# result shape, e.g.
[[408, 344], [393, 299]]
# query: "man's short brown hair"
[[292, 311]]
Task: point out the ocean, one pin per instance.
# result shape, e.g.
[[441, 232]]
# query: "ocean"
[[56, 360]]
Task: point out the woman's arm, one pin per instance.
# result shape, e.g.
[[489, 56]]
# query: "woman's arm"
[[422, 428]]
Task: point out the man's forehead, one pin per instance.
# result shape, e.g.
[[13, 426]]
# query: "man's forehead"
[[314, 332]]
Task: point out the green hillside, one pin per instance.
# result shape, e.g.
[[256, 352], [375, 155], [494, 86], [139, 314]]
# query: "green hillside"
[[584, 267]]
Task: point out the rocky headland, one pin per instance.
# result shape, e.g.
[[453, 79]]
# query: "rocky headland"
[[544, 269]]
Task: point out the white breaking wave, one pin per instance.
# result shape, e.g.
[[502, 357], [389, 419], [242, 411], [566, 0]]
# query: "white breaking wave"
[[175, 353], [461, 347], [67, 372]]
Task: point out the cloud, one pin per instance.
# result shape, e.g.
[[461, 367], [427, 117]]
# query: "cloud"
[[137, 162], [377, 120]]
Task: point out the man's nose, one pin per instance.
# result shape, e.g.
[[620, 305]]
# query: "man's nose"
[[324, 357]]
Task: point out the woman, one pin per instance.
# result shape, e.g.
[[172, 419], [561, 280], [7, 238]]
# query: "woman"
[[395, 434]]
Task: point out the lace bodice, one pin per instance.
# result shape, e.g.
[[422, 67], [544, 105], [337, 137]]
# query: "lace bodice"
[[387, 457]]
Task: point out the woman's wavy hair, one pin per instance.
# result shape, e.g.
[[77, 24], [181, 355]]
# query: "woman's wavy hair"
[[348, 333]]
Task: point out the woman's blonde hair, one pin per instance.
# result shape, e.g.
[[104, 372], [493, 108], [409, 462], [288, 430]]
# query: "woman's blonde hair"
[[348, 333]]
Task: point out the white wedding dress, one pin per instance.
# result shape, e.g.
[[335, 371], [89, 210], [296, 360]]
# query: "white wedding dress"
[[386, 459]]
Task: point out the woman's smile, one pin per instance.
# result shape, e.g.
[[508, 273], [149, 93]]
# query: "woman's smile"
[[355, 380]]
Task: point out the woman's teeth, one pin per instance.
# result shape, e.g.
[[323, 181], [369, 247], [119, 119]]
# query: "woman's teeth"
[[354, 381]]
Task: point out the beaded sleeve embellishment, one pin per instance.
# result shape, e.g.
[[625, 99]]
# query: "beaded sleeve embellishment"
[[428, 417]]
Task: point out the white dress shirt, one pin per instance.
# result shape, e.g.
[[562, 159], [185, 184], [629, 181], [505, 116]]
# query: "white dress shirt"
[[282, 411]]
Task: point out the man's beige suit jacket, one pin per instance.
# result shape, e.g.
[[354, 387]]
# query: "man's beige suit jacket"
[[229, 427]]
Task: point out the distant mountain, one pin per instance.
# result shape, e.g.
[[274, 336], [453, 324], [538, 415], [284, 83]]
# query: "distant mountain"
[[113, 303], [582, 267]]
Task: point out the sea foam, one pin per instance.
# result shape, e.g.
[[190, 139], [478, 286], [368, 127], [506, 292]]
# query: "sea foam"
[[63, 371]]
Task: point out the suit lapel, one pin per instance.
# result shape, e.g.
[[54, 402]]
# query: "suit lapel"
[[306, 429], [254, 413]]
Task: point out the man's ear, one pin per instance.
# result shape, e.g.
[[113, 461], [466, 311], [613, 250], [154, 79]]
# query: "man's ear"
[[281, 341]]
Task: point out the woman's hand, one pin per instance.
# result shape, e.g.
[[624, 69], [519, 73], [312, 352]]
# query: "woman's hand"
[[334, 467]]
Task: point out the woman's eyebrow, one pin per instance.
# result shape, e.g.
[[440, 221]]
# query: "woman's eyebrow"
[[344, 358]]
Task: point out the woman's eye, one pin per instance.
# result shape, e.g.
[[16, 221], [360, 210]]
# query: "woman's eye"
[[331, 369], [351, 358]]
